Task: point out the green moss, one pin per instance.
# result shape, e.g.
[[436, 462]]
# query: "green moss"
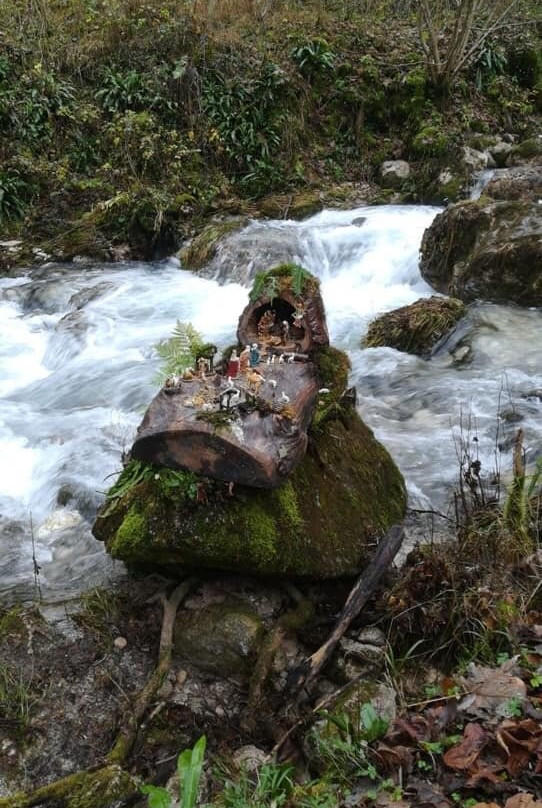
[[333, 369], [262, 528], [432, 140], [298, 206], [344, 494], [86, 789], [532, 147], [416, 328], [204, 246], [289, 506], [132, 534]]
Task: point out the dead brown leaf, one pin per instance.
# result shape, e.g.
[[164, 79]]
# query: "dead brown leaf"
[[522, 742], [463, 755], [488, 689], [522, 800]]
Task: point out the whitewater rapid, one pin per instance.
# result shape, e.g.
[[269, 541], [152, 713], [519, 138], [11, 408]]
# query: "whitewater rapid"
[[77, 369]]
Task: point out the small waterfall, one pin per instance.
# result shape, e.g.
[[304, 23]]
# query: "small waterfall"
[[77, 370]]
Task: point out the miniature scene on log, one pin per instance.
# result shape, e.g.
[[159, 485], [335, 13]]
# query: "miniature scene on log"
[[256, 462], [262, 393]]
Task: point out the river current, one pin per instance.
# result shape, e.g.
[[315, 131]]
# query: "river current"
[[77, 369]]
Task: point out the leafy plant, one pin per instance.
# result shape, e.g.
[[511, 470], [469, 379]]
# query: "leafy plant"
[[273, 787], [179, 352], [189, 768], [13, 190], [136, 472], [492, 61], [342, 743], [122, 91], [247, 122], [313, 58], [267, 284], [373, 726]]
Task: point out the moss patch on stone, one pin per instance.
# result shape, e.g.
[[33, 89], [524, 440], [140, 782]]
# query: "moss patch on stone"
[[203, 247], [346, 492], [416, 328]]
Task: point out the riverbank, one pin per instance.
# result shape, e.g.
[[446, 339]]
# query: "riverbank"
[[127, 125], [440, 667]]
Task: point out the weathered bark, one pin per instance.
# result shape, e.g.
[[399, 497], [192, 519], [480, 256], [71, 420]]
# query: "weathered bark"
[[258, 445]]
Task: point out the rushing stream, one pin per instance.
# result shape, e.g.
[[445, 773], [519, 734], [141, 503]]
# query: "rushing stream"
[[77, 370]]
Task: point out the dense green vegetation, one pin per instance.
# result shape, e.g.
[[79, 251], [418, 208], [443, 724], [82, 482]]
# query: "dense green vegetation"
[[130, 121]]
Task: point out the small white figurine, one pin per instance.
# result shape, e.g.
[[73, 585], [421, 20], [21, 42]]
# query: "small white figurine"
[[284, 399]]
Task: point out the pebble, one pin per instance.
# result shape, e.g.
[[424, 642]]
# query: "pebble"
[[120, 643]]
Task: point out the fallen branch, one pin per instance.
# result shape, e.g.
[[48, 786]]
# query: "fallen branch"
[[358, 597], [128, 731]]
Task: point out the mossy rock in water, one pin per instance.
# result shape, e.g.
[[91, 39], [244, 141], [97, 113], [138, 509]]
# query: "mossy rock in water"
[[416, 328], [345, 493], [203, 247], [486, 250], [222, 638], [286, 206]]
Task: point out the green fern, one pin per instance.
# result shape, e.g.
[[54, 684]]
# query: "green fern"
[[258, 287], [180, 351], [272, 287], [299, 277]]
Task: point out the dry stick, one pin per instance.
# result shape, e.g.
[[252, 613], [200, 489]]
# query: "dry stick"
[[358, 597], [128, 731]]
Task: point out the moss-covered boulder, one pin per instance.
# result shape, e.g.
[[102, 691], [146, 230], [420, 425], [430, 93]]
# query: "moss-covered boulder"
[[288, 206], [416, 328], [486, 249], [202, 248], [341, 498]]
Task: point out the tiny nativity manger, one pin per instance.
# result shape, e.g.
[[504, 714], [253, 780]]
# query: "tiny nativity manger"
[[245, 420]]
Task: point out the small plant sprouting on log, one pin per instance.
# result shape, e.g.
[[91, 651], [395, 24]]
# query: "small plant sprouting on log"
[[135, 472], [180, 351], [189, 768], [268, 284]]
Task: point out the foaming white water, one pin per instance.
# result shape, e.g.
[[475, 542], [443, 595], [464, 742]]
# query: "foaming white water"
[[77, 369]]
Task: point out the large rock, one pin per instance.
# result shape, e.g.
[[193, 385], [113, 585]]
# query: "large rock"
[[222, 638], [322, 522], [289, 484], [393, 173], [486, 249], [522, 183], [416, 328]]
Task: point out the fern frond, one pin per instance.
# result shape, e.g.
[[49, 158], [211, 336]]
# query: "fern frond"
[[179, 351]]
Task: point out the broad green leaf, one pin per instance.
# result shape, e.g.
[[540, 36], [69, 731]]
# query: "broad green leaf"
[[189, 766], [158, 796]]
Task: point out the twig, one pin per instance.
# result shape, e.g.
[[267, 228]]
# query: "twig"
[[358, 597], [128, 732]]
